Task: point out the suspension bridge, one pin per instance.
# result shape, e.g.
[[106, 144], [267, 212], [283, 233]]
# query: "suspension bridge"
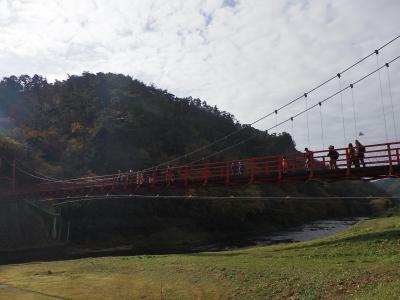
[[378, 160]]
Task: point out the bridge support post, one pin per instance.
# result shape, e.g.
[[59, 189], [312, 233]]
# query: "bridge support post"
[[227, 173], [206, 174], [54, 229], [252, 167], [68, 228], [348, 163], [311, 165], [279, 162], [186, 179], [390, 160]]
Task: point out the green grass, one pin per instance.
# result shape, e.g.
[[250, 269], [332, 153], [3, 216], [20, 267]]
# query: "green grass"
[[360, 263]]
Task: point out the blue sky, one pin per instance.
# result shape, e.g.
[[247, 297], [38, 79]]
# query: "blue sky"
[[247, 57]]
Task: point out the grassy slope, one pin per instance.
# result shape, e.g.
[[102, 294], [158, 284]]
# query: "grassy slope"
[[361, 263]]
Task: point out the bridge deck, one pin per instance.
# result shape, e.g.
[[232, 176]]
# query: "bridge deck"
[[380, 160]]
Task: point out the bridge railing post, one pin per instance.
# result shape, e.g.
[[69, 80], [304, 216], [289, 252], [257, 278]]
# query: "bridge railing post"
[[266, 167], [398, 156], [186, 177], [279, 163], [206, 174], [252, 170], [293, 165], [228, 168], [348, 163], [311, 165], [390, 159]]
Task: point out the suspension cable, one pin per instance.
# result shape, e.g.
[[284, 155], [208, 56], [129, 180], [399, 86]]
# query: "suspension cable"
[[308, 122], [354, 111], [391, 102], [28, 169], [295, 116], [35, 176], [342, 108], [70, 200], [381, 94], [292, 120], [188, 154], [322, 125]]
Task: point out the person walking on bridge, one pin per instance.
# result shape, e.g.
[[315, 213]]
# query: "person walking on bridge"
[[334, 156], [360, 152], [308, 157], [353, 156]]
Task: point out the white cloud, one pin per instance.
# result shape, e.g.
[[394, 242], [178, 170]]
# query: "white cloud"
[[248, 57]]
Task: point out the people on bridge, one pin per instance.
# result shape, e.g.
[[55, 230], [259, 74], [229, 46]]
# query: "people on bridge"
[[139, 178], [169, 174], [307, 157], [151, 176], [353, 159], [333, 157], [360, 152]]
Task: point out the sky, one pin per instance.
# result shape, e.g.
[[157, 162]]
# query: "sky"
[[248, 57]]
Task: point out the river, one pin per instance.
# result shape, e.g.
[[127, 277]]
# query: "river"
[[307, 232]]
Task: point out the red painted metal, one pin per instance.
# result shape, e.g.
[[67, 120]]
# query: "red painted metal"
[[380, 160]]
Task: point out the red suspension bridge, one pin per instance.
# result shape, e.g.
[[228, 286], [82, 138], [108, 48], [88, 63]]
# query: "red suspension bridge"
[[380, 160]]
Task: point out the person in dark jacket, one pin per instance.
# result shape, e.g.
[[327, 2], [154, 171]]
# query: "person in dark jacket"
[[334, 156], [360, 152]]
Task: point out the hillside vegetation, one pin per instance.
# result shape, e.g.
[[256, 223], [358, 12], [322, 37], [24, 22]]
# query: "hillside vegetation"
[[99, 123], [360, 263]]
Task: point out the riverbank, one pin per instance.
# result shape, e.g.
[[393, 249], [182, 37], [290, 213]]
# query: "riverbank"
[[359, 263], [157, 245]]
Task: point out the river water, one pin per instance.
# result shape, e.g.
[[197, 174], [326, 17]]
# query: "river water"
[[307, 232]]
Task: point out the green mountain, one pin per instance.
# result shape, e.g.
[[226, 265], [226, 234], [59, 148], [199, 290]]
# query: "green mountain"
[[99, 123]]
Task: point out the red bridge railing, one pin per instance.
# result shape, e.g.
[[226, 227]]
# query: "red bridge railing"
[[380, 159]]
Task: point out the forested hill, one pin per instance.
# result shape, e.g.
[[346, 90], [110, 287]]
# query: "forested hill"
[[99, 123]]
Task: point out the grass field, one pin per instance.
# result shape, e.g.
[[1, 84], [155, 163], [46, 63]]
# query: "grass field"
[[360, 263]]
